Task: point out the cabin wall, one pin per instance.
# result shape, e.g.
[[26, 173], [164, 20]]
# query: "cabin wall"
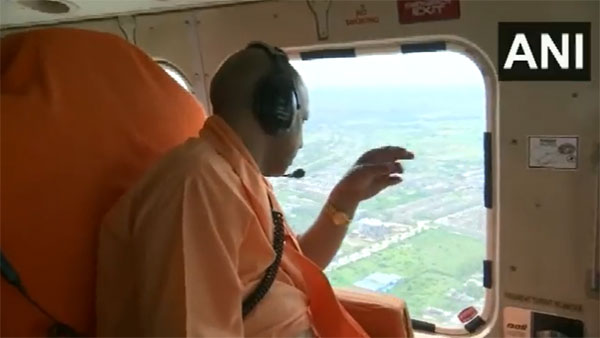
[[167, 36], [542, 222], [543, 219], [173, 37], [110, 25]]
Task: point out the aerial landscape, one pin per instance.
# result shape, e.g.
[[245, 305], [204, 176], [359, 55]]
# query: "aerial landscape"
[[422, 240]]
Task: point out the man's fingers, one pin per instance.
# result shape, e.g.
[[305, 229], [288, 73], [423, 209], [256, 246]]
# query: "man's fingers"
[[386, 154], [400, 168], [394, 153], [393, 180], [384, 182], [381, 169]]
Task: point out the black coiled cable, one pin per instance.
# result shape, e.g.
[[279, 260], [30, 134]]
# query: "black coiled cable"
[[265, 284]]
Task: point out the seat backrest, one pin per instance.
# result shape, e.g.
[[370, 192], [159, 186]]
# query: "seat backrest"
[[83, 114]]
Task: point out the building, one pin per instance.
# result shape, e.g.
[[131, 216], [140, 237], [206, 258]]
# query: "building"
[[373, 228], [379, 282]]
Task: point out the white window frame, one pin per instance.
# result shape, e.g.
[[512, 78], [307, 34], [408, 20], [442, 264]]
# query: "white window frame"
[[169, 66], [486, 66]]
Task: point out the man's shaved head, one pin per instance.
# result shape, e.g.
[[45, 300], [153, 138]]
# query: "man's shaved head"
[[232, 88], [232, 92]]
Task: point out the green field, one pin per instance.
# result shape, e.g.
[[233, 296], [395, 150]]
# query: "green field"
[[424, 264]]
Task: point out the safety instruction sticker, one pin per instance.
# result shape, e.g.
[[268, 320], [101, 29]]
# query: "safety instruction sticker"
[[555, 152]]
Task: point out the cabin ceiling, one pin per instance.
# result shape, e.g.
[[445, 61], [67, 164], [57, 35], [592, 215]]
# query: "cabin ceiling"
[[16, 13]]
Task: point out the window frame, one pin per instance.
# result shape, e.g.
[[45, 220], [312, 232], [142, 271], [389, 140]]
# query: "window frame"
[[484, 63], [170, 66]]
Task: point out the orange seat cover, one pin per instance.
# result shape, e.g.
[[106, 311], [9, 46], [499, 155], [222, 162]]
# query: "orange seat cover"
[[83, 114]]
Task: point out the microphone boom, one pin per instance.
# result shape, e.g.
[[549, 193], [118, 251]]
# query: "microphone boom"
[[298, 173]]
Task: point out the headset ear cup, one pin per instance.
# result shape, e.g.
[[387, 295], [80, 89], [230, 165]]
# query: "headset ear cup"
[[283, 110], [262, 108], [273, 104]]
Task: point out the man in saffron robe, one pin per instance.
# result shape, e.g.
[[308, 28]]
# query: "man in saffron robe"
[[181, 251]]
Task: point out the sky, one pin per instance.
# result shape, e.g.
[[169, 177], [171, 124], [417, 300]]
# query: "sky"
[[434, 68]]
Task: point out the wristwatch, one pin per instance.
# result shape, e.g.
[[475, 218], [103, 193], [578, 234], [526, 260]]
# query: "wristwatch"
[[338, 218]]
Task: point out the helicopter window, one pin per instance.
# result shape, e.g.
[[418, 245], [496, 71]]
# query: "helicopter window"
[[176, 74], [423, 240]]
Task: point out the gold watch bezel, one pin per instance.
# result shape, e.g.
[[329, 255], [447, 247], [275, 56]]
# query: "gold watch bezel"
[[337, 217]]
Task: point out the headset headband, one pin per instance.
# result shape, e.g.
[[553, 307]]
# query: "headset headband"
[[271, 50]]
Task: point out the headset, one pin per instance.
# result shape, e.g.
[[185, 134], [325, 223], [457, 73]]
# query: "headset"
[[275, 99]]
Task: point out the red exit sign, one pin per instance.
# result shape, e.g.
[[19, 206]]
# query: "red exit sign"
[[411, 11]]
